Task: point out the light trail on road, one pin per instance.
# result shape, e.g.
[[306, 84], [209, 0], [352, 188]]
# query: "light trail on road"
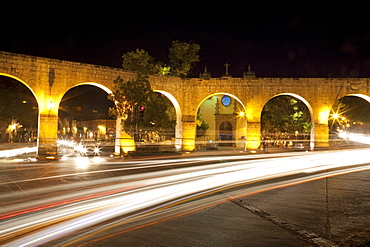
[[149, 195], [17, 151]]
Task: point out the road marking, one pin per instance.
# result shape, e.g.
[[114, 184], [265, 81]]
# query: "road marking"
[[307, 236]]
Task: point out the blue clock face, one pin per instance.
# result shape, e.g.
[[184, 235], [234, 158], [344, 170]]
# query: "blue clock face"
[[226, 100]]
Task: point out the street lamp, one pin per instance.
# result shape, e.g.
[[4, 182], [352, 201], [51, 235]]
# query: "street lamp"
[[51, 105]]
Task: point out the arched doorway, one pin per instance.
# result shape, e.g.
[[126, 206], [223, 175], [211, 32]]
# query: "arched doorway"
[[226, 133]]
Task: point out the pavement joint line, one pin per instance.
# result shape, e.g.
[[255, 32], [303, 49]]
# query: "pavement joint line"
[[307, 236]]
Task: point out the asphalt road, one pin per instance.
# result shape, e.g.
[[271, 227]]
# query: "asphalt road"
[[325, 212], [225, 210]]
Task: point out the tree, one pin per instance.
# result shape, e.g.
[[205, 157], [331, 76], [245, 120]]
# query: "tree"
[[182, 57], [285, 114], [127, 95], [140, 62], [158, 113], [201, 125]]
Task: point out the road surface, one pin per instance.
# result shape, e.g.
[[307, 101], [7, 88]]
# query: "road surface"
[[80, 200]]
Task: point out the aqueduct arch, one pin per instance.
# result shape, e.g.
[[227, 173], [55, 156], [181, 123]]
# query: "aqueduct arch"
[[351, 116], [104, 88], [225, 116], [20, 81], [19, 129], [49, 79], [307, 104], [362, 96], [178, 128]]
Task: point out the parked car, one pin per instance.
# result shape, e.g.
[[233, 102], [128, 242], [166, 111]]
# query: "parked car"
[[297, 146], [211, 145]]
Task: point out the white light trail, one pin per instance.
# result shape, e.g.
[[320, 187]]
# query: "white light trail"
[[155, 189], [354, 137], [16, 151]]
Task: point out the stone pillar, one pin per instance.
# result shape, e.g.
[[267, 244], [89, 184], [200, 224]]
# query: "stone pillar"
[[188, 132], [178, 134], [321, 135], [47, 136], [320, 130], [124, 142], [253, 135]]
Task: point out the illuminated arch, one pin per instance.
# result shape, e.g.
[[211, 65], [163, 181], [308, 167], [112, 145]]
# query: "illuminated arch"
[[365, 97], [107, 90], [24, 83], [174, 102], [237, 119], [104, 88], [323, 115], [178, 128], [33, 94], [297, 97], [362, 96], [222, 93]]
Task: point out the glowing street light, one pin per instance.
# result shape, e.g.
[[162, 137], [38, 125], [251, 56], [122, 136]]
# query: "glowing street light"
[[51, 105]]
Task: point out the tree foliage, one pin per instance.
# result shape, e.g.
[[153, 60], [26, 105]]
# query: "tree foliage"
[[127, 95], [182, 57], [159, 113], [140, 62], [201, 125], [285, 114]]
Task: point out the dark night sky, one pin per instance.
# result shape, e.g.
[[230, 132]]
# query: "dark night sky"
[[278, 40]]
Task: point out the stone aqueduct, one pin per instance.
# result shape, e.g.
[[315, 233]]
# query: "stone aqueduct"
[[50, 79]]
